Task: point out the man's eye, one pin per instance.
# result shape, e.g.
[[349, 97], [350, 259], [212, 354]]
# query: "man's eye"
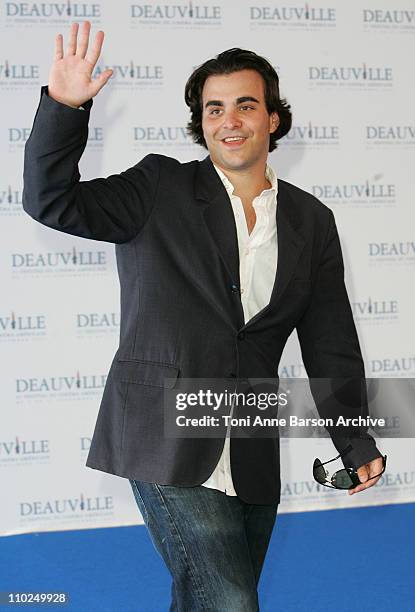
[[217, 111]]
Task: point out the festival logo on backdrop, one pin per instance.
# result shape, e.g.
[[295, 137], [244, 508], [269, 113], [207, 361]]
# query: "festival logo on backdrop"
[[161, 138], [71, 386], [81, 507], [368, 193], [312, 136], [18, 327], [362, 77], [16, 78], [74, 262], [372, 311], [95, 324], [132, 76], [84, 445], [95, 138], [310, 489], [292, 370], [11, 201], [388, 20], [395, 253], [300, 18], [16, 138], [191, 16], [387, 136], [394, 366], [398, 480], [19, 451], [49, 14]]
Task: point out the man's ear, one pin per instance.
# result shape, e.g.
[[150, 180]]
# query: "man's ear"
[[274, 122]]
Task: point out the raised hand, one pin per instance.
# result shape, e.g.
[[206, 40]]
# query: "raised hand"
[[70, 77]]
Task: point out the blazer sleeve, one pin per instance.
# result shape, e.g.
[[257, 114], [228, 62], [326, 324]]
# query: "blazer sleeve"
[[113, 209], [332, 356]]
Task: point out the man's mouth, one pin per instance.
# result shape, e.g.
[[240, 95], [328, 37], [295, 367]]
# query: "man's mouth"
[[233, 138], [233, 141]]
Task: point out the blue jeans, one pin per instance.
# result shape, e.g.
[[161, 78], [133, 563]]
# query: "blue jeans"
[[214, 545]]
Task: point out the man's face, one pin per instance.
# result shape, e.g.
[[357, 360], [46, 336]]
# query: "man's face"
[[234, 107]]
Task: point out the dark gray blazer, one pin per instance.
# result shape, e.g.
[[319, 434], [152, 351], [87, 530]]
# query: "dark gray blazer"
[[181, 312]]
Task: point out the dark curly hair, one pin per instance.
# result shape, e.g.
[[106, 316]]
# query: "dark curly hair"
[[227, 62]]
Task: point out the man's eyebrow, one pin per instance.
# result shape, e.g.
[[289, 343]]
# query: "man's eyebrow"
[[246, 99], [238, 101]]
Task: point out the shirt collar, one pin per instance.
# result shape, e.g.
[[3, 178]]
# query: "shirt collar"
[[270, 175]]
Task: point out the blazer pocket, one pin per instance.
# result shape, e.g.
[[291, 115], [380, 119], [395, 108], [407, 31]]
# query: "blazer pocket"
[[151, 373]]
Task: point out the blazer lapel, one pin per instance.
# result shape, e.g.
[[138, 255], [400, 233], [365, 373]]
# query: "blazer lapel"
[[218, 217], [290, 245]]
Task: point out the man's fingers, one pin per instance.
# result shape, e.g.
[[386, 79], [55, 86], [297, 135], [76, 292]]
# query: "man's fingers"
[[375, 466], [363, 473], [83, 39], [99, 82], [366, 472], [71, 48], [364, 486], [58, 47], [95, 51]]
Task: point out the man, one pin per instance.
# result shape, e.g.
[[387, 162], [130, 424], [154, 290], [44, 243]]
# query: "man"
[[198, 247]]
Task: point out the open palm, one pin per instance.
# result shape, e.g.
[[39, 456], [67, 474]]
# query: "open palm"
[[70, 77]]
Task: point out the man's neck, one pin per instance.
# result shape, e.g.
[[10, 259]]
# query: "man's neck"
[[247, 184]]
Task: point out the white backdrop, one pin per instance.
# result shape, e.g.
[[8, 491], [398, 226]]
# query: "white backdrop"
[[346, 68]]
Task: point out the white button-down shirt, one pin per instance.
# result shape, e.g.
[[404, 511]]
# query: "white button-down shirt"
[[258, 254]]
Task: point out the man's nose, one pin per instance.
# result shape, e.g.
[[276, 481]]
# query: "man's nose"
[[231, 120]]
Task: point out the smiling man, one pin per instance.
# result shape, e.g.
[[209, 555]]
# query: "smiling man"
[[236, 130], [219, 261]]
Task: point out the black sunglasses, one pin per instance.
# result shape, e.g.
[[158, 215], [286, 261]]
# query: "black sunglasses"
[[347, 478]]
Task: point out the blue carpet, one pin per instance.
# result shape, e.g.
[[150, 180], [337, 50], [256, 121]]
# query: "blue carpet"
[[337, 560]]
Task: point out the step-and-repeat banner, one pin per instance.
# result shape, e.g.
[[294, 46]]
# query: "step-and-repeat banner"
[[346, 69]]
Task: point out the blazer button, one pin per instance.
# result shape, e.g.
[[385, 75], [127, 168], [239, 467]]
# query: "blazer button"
[[234, 289], [241, 335]]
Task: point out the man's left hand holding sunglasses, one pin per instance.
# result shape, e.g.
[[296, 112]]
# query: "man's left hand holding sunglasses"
[[367, 471]]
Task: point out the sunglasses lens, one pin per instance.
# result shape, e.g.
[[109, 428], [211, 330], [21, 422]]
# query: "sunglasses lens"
[[319, 471], [342, 480]]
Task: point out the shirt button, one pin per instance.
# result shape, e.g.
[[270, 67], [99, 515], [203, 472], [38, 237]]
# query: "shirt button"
[[242, 290]]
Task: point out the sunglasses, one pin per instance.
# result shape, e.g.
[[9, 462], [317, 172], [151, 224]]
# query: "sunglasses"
[[347, 478]]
